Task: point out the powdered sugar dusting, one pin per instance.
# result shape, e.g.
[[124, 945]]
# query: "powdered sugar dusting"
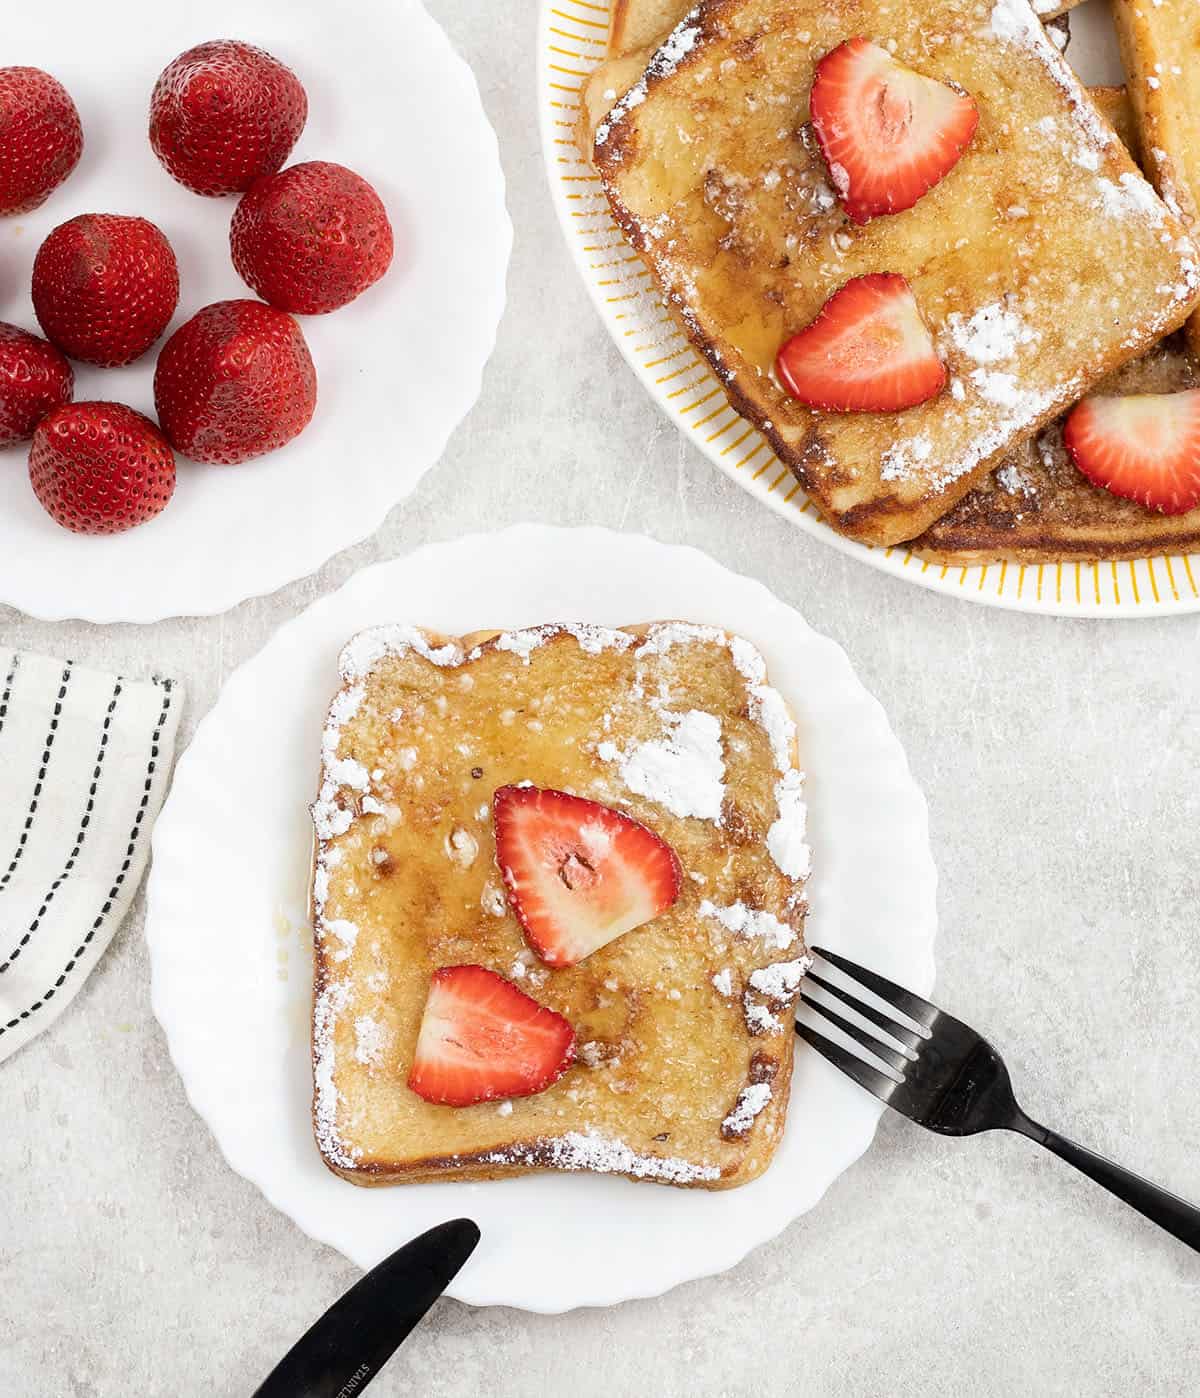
[[751, 923], [786, 837], [668, 58], [328, 1005], [683, 771], [781, 980], [751, 1101], [759, 1019], [1131, 197], [992, 335], [589, 1150], [362, 653], [369, 1041]]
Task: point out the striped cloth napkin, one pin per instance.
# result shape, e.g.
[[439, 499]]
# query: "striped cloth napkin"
[[86, 758]]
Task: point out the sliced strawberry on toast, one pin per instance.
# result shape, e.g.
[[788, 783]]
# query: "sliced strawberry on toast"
[[888, 134], [867, 351], [578, 874], [481, 1039], [1145, 447]]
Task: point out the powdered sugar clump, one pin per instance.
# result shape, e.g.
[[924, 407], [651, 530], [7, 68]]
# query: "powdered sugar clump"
[[992, 335], [683, 771], [751, 1101], [1013, 22], [1013, 481], [781, 980], [759, 1020], [751, 923], [345, 932], [786, 837], [723, 982], [766, 704]]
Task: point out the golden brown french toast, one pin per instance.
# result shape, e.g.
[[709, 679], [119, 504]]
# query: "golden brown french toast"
[[1038, 508], [1041, 262], [1114, 106], [1160, 49], [634, 24], [684, 1024]]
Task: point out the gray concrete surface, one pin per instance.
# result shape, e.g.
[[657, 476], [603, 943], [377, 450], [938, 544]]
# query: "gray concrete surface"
[[1060, 762]]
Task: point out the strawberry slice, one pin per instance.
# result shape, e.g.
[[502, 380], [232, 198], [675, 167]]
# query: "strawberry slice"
[[888, 134], [1145, 447], [578, 874], [482, 1038], [868, 351]]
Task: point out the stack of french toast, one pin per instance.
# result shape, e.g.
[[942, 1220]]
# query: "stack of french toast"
[[955, 290]]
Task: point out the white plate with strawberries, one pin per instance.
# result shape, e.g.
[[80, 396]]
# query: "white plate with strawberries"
[[294, 427], [234, 992]]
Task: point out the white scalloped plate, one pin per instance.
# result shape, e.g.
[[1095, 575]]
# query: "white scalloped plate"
[[397, 370], [231, 977], [571, 42]]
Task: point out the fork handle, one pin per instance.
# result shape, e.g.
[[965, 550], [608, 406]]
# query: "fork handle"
[[1169, 1211]]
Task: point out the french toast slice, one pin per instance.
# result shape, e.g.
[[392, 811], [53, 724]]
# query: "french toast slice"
[[1160, 50], [684, 1025], [1039, 508], [1041, 262]]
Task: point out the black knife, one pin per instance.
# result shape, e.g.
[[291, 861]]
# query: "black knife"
[[357, 1335]]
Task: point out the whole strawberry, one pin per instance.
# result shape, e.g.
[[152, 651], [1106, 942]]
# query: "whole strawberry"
[[234, 382], [311, 238], [34, 379], [41, 139], [100, 468], [104, 287], [223, 114]]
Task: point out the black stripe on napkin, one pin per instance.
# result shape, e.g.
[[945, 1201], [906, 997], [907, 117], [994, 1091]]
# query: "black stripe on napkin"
[[41, 777], [8, 684], [124, 869], [79, 838]]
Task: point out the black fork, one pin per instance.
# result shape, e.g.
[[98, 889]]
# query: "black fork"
[[951, 1080]]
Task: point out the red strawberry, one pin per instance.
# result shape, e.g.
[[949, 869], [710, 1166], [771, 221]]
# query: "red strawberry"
[[223, 114], [868, 351], [100, 468], [887, 134], [41, 139], [482, 1038], [105, 287], [1144, 448], [34, 379], [235, 381], [578, 874], [311, 238]]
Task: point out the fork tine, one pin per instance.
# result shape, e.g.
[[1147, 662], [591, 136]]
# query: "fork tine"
[[891, 1056], [900, 1032], [875, 1082], [912, 1005]]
